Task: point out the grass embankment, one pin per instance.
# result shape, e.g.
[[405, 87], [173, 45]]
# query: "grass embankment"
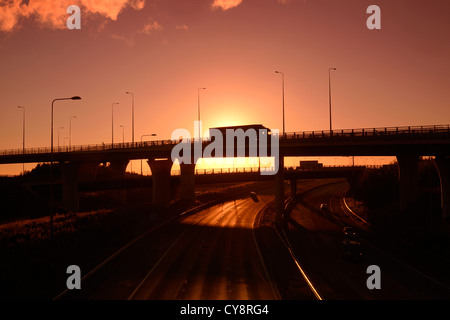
[[33, 266]]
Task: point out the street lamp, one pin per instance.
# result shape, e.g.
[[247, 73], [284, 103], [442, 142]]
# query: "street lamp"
[[132, 116], [329, 95], [70, 131], [146, 135], [112, 125], [51, 164], [123, 134], [23, 136], [199, 126], [282, 89], [58, 136]]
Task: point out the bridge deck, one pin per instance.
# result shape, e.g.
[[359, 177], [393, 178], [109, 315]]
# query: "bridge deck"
[[434, 138]]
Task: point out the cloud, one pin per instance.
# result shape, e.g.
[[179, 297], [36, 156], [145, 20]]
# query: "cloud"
[[147, 28], [150, 26], [182, 27], [226, 4], [10, 13], [138, 4], [53, 14], [128, 40]]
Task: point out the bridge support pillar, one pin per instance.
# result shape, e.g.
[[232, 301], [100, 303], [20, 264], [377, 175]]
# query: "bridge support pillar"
[[161, 181], [408, 180], [70, 172], [443, 167], [119, 168], [187, 182], [293, 187], [279, 191], [89, 169]]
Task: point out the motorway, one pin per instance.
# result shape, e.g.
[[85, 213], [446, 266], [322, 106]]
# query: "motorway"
[[208, 255], [232, 251], [316, 236]]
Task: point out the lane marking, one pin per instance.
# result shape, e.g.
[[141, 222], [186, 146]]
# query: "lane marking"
[[404, 264], [90, 273], [308, 281], [269, 279], [189, 226]]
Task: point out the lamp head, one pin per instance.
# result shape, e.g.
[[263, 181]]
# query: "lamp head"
[[76, 98]]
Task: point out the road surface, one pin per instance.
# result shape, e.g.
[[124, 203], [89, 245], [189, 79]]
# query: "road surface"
[[209, 255], [316, 236]]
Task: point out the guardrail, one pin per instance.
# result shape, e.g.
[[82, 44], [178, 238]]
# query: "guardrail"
[[87, 148], [292, 136], [368, 132]]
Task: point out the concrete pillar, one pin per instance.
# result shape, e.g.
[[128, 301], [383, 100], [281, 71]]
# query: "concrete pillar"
[[88, 170], [293, 187], [70, 172], [443, 167], [187, 182], [119, 168], [408, 180], [161, 181], [279, 191]]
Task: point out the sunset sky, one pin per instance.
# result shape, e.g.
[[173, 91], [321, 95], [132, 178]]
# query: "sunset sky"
[[164, 50]]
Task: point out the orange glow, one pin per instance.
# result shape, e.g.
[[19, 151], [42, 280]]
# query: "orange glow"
[[164, 51]]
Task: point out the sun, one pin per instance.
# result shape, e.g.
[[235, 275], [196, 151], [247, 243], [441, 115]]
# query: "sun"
[[233, 115]]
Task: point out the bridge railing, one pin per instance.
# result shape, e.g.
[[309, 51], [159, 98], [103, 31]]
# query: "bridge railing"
[[230, 170], [368, 132], [315, 135], [89, 147]]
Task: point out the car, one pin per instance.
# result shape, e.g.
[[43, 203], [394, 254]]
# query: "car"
[[254, 196], [352, 250], [324, 207], [349, 232]]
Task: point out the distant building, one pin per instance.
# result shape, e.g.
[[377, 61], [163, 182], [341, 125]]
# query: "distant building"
[[310, 165]]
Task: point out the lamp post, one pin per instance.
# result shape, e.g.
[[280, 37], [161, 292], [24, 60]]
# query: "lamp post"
[[58, 135], [329, 95], [23, 136], [112, 124], [132, 116], [51, 164], [123, 135], [146, 135], [70, 131], [282, 89], [198, 97]]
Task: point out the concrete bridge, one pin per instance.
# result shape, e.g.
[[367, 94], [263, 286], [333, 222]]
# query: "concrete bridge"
[[407, 144]]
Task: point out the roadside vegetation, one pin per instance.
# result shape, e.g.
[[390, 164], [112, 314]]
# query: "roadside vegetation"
[[376, 198], [33, 265]]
